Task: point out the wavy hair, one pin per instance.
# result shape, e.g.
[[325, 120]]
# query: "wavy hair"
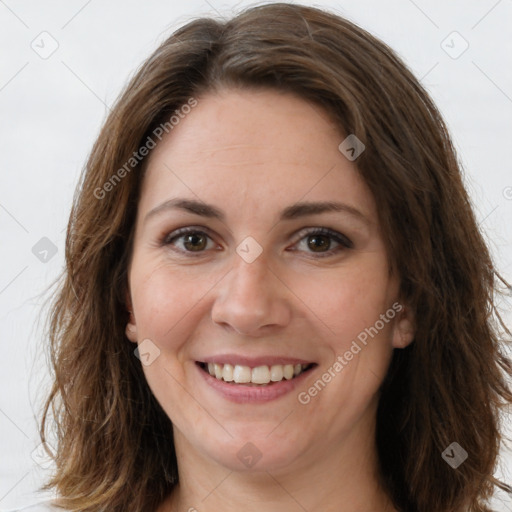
[[114, 443]]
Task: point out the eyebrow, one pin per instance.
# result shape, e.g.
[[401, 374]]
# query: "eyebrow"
[[292, 212]]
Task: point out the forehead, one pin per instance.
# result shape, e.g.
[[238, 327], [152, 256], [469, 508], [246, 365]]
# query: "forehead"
[[263, 148]]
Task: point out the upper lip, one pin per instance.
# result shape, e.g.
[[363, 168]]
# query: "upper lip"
[[252, 362]]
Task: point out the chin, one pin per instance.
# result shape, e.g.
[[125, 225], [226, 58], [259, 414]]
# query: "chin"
[[253, 453]]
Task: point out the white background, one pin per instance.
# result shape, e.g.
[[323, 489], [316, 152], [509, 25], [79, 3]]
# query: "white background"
[[52, 110]]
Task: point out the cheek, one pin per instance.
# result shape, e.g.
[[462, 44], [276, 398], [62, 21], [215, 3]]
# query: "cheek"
[[348, 299], [166, 298], [353, 308], [166, 303], [358, 341]]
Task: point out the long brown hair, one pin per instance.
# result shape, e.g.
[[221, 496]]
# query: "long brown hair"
[[114, 443]]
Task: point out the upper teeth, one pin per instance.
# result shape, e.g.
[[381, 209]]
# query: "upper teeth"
[[259, 375]]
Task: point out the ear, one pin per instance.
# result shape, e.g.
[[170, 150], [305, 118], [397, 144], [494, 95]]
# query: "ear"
[[131, 327], [404, 329]]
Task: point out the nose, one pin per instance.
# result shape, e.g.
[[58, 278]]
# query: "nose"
[[251, 299]]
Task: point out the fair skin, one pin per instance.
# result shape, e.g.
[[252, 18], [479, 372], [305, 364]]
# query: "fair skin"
[[251, 155]]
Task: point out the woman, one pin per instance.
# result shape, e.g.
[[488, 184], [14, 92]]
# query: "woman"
[[276, 296]]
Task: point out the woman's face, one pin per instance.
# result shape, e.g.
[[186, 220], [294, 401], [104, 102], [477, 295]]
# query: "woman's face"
[[251, 289]]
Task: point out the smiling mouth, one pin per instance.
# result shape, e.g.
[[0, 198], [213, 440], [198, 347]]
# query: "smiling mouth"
[[258, 376]]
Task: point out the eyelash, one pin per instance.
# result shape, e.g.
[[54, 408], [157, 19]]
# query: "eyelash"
[[344, 242]]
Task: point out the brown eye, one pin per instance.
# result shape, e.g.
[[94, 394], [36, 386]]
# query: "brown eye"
[[194, 241], [188, 240], [318, 243]]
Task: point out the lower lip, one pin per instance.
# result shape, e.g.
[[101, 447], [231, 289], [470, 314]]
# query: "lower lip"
[[242, 394]]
